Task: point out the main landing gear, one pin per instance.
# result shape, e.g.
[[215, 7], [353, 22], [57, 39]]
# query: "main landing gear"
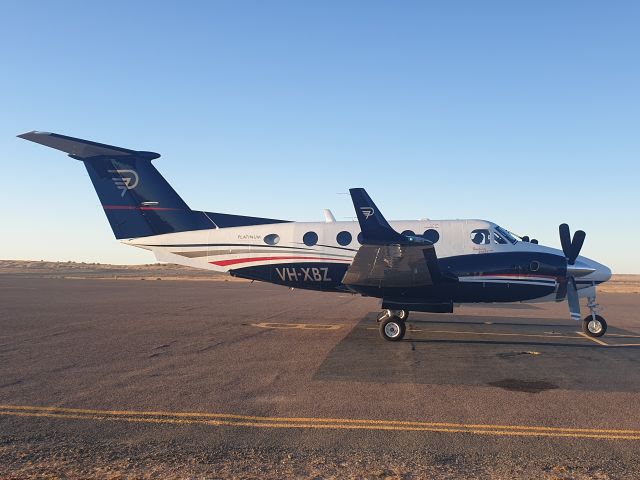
[[392, 324], [594, 325]]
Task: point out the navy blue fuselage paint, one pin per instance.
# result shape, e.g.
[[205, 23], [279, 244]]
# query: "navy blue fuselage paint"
[[327, 276], [323, 276]]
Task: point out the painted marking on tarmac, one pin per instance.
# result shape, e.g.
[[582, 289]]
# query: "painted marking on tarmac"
[[597, 340], [464, 332], [233, 420], [580, 336], [459, 332], [297, 326]]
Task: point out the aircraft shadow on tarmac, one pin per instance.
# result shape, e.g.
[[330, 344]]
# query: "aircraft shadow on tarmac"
[[527, 355], [509, 306]]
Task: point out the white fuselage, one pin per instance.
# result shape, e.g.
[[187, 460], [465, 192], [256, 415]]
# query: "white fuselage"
[[226, 249]]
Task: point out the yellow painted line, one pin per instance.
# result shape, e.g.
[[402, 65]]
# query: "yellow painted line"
[[329, 426], [296, 326], [597, 340], [459, 332], [409, 329], [216, 419], [464, 332], [622, 336], [578, 337]]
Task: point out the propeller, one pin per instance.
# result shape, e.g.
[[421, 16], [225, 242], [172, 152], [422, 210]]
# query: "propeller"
[[571, 247], [567, 285]]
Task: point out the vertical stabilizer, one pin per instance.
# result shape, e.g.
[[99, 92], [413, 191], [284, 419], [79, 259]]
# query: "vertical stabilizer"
[[137, 200]]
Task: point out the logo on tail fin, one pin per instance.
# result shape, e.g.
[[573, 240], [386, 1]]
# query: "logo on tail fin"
[[126, 180], [367, 212]]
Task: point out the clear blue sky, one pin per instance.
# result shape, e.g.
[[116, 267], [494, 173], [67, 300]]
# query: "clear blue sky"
[[524, 113]]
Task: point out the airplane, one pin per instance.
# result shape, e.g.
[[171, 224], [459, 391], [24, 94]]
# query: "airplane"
[[420, 266]]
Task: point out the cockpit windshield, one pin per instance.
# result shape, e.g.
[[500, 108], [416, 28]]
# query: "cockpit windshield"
[[502, 234]]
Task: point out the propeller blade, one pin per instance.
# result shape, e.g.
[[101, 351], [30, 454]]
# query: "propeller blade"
[[573, 299], [576, 246], [561, 293], [565, 239]]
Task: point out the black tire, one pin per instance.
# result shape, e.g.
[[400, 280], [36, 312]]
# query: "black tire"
[[597, 329], [404, 315], [392, 329]]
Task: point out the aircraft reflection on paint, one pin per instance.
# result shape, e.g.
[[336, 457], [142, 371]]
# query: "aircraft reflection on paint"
[[423, 265]]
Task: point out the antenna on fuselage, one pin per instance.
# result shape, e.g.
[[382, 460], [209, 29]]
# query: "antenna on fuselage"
[[328, 216]]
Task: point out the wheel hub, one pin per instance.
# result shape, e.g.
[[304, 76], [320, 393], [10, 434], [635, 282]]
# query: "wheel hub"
[[594, 326], [392, 330]]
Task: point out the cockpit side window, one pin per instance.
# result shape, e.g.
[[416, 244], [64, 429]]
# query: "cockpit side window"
[[497, 238], [480, 236], [505, 234]]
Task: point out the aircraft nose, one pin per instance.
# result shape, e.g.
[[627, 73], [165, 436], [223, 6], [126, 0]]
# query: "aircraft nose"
[[601, 274]]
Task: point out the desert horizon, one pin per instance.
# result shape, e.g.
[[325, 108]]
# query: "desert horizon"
[[619, 283]]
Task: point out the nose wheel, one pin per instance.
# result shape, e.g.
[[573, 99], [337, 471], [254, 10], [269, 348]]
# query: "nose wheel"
[[594, 325]]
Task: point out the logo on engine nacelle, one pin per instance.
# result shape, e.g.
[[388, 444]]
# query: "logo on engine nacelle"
[[127, 180], [367, 212]]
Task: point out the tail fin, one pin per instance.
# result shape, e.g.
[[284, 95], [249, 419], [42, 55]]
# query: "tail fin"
[[137, 200]]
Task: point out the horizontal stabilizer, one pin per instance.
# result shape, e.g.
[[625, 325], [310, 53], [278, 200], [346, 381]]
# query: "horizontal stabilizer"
[[81, 149]]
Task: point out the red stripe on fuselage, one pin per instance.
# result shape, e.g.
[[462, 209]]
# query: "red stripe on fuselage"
[[527, 275], [225, 263]]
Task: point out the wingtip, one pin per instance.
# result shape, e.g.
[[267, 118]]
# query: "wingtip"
[[32, 133]]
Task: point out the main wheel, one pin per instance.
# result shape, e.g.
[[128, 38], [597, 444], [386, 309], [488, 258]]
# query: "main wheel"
[[392, 329], [594, 327], [403, 315]]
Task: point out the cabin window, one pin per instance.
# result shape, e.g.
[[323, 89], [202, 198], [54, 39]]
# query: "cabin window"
[[271, 239], [359, 238], [344, 238], [310, 239], [480, 236], [431, 235]]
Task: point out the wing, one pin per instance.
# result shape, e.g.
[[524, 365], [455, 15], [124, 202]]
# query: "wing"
[[387, 259]]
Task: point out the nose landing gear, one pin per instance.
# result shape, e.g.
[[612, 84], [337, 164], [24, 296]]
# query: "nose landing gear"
[[594, 325]]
